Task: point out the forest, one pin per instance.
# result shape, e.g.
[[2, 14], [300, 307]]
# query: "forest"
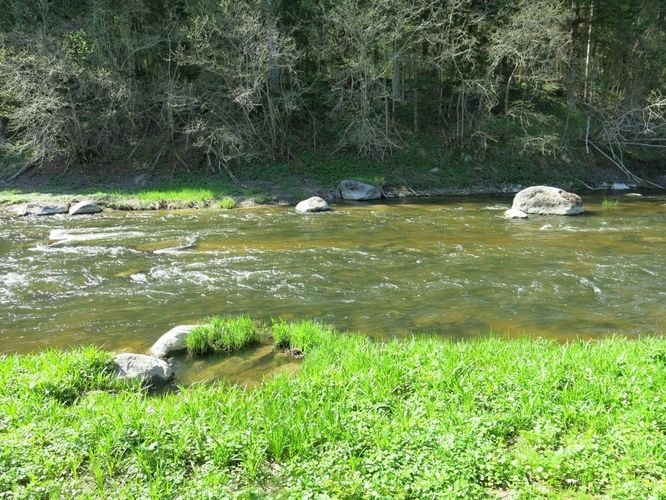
[[220, 84]]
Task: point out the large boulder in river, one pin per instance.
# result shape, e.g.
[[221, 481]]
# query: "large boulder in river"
[[150, 370], [40, 208], [358, 191], [314, 204], [546, 200], [84, 207], [171, 342]]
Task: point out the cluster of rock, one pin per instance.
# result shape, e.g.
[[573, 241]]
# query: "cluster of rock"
[[346, 190], [43, 208], [544, 200], [153, 370]]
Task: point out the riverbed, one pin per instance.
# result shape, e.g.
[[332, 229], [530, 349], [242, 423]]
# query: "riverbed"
[[449, 266]]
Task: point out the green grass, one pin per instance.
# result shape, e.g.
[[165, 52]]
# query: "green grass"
[[610, 203], [222, 334], [417, 418]]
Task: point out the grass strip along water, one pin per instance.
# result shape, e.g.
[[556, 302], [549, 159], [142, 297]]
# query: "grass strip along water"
[[418, 417]]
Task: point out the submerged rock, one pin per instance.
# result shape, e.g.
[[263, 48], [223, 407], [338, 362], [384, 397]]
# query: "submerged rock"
[[546, 200], [150, 370], [358, 191], [84, 207], [514, 213], [620, 186], [314, 204], [37, 208], [172, 341]]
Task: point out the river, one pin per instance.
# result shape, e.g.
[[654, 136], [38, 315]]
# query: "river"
[[450, 266]]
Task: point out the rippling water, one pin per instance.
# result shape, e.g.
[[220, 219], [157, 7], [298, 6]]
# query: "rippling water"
[[452, 267]]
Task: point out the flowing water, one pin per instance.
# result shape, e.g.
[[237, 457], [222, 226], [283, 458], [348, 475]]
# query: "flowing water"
[[452, 267]]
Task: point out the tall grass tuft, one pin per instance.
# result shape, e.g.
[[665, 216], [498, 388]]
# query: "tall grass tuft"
[[301, 335], [227, 203], [222, 334], [610, 203]]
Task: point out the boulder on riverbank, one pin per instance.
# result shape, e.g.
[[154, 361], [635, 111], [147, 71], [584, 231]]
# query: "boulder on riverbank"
[[311, 205], [150, 370], [358, 191], [171, 342], [546, 200], [84, 207], [39, 208]]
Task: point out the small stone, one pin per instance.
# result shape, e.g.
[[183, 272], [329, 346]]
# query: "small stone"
[[84, 207], [314, 204], [434, 170], [148, 369], [514, 213], [620, 186], [634, 195], [172, 341]]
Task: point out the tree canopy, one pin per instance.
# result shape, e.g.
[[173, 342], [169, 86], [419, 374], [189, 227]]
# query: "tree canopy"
[[232, 81]]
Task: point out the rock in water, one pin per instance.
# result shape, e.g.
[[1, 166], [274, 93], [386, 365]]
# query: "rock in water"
[[314, 204], [150, 370], [620, 186], [358, 191], [84, 207], [546, 200], [514, 213], [37, 208], [172, 341]]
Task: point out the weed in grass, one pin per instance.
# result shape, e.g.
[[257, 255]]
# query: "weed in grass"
[[227, 203], [222, 334]]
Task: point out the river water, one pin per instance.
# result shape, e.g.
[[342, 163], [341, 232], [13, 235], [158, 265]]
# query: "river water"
[[452, 267]]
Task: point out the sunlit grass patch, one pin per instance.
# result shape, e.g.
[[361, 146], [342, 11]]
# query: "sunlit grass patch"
[[222, 334], [408, 418]]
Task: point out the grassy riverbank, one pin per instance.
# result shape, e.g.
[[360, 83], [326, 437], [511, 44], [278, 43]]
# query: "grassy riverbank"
[[421, 168], [409, 418]]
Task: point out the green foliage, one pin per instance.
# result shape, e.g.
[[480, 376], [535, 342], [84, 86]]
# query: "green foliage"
[[419, 417], [228, 203], [222, 334]]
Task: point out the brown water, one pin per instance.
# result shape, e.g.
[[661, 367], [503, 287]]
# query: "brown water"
[[452, 267]]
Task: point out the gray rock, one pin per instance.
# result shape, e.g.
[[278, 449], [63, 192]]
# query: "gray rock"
[[634, 195], [514, 213], [84, 207], [314, 204], [619, 186], [358, 191], [546, 200], [37, 208], [434, 170], [150, 370], [171, 342]]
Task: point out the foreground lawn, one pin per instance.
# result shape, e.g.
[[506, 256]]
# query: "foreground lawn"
[[408, 418]]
